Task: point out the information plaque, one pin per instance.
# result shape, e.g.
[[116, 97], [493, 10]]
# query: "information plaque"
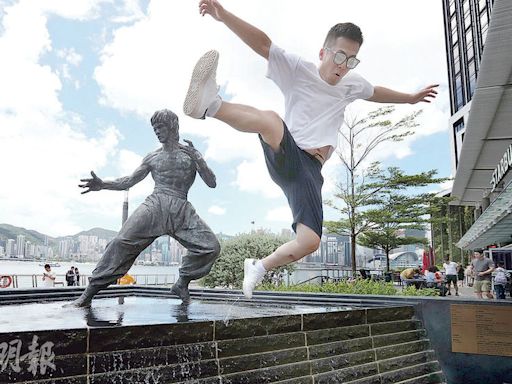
[[482, 329]]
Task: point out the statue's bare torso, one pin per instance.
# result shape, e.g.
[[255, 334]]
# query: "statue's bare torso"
[[171, 170]]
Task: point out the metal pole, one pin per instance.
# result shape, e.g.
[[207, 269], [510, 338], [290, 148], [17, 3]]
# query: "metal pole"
[[125, 207]]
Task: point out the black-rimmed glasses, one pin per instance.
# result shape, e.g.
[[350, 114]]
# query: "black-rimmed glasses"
[[340, 57]]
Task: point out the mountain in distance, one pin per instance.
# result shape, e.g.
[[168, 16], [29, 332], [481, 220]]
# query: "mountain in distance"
[[8, 231], [100, 232]]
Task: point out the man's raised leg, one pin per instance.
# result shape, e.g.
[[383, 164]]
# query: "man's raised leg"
[[306, 242], [202, 100]]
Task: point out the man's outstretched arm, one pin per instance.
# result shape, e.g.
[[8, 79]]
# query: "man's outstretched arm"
[[96, 184], [249, 34], [386, 95]]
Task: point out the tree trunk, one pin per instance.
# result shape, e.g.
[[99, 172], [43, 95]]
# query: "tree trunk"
[[353, 253], [387, 260]]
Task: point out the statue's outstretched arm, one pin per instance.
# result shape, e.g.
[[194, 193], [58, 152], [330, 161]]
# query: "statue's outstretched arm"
[[97, 184], [202, 168]]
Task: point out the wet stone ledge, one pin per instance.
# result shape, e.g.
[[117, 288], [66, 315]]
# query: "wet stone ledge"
[[330, 346]]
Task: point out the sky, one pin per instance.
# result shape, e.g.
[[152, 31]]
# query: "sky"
[[79, 81]]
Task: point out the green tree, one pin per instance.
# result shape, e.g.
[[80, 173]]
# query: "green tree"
[[364, 186], [397, 211], [449, 224], [228, 270], [360, 137]]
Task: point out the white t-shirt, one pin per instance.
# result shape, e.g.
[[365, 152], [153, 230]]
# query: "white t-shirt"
[[314, 109], [47, 282], [450, 268]]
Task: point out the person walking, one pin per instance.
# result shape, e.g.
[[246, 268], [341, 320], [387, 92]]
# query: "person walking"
[[450, 270], [482, 268], [501, 277], [460, 274]]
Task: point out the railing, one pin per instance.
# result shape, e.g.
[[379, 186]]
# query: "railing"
[[34, 281]]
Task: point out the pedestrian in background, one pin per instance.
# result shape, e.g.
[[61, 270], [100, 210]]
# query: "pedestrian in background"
[[482, 269], [77, 277], [460, 274], [450, 271], [48, 276], [70, 277]]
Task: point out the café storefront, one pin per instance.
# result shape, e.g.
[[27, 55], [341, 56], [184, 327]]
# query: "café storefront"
[[483, 178]]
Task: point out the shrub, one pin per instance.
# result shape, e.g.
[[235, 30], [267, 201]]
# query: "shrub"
[[350, 287], [357, 287], [228, 270], [412, 291]]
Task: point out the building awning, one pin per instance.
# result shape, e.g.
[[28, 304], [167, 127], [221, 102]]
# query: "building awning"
[[493, 226], [489, 127]]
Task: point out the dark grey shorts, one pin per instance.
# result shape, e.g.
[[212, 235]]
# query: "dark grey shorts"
[[299, 175]]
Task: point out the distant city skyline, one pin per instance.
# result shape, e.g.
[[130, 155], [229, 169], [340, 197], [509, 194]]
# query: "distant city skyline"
[[334, 249]]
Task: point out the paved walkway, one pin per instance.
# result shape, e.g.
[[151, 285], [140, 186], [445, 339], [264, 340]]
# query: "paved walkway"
[[468, 293]]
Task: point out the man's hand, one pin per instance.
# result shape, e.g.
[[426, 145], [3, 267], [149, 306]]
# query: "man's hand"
[[191, 151], [93, 184], [212, 8], [424, 95]]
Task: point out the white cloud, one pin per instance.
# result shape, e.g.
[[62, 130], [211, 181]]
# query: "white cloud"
[[43, 150], [129, 11], [70, 56], [444, 186], [159, 67], [146, 64], [216, 210], [281, 214], [252, 176]]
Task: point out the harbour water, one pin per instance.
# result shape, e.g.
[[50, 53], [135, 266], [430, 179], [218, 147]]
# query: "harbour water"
[[29, 268]]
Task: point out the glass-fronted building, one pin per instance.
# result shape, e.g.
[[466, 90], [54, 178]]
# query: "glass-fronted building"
[[479, 53], [466, 26]]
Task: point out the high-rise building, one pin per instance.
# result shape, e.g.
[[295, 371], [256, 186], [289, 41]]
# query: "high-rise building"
[[479, 51], [66, 247], [176, 251], [165, 247], [10, 248], [30, 250], [466, 26], [333, 250], [20, 246]]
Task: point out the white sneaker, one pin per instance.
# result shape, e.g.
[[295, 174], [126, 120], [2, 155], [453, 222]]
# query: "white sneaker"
[[252, 277], [203, 89]]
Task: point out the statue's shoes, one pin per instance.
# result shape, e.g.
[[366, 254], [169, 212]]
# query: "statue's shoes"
[[182, 292], [203, 90], [77, 304]]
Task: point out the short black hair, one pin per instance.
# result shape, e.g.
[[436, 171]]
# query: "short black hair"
[[479, 250], [347, 30], [47, 266], [165, 116], [501, 263], [168, 118]]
